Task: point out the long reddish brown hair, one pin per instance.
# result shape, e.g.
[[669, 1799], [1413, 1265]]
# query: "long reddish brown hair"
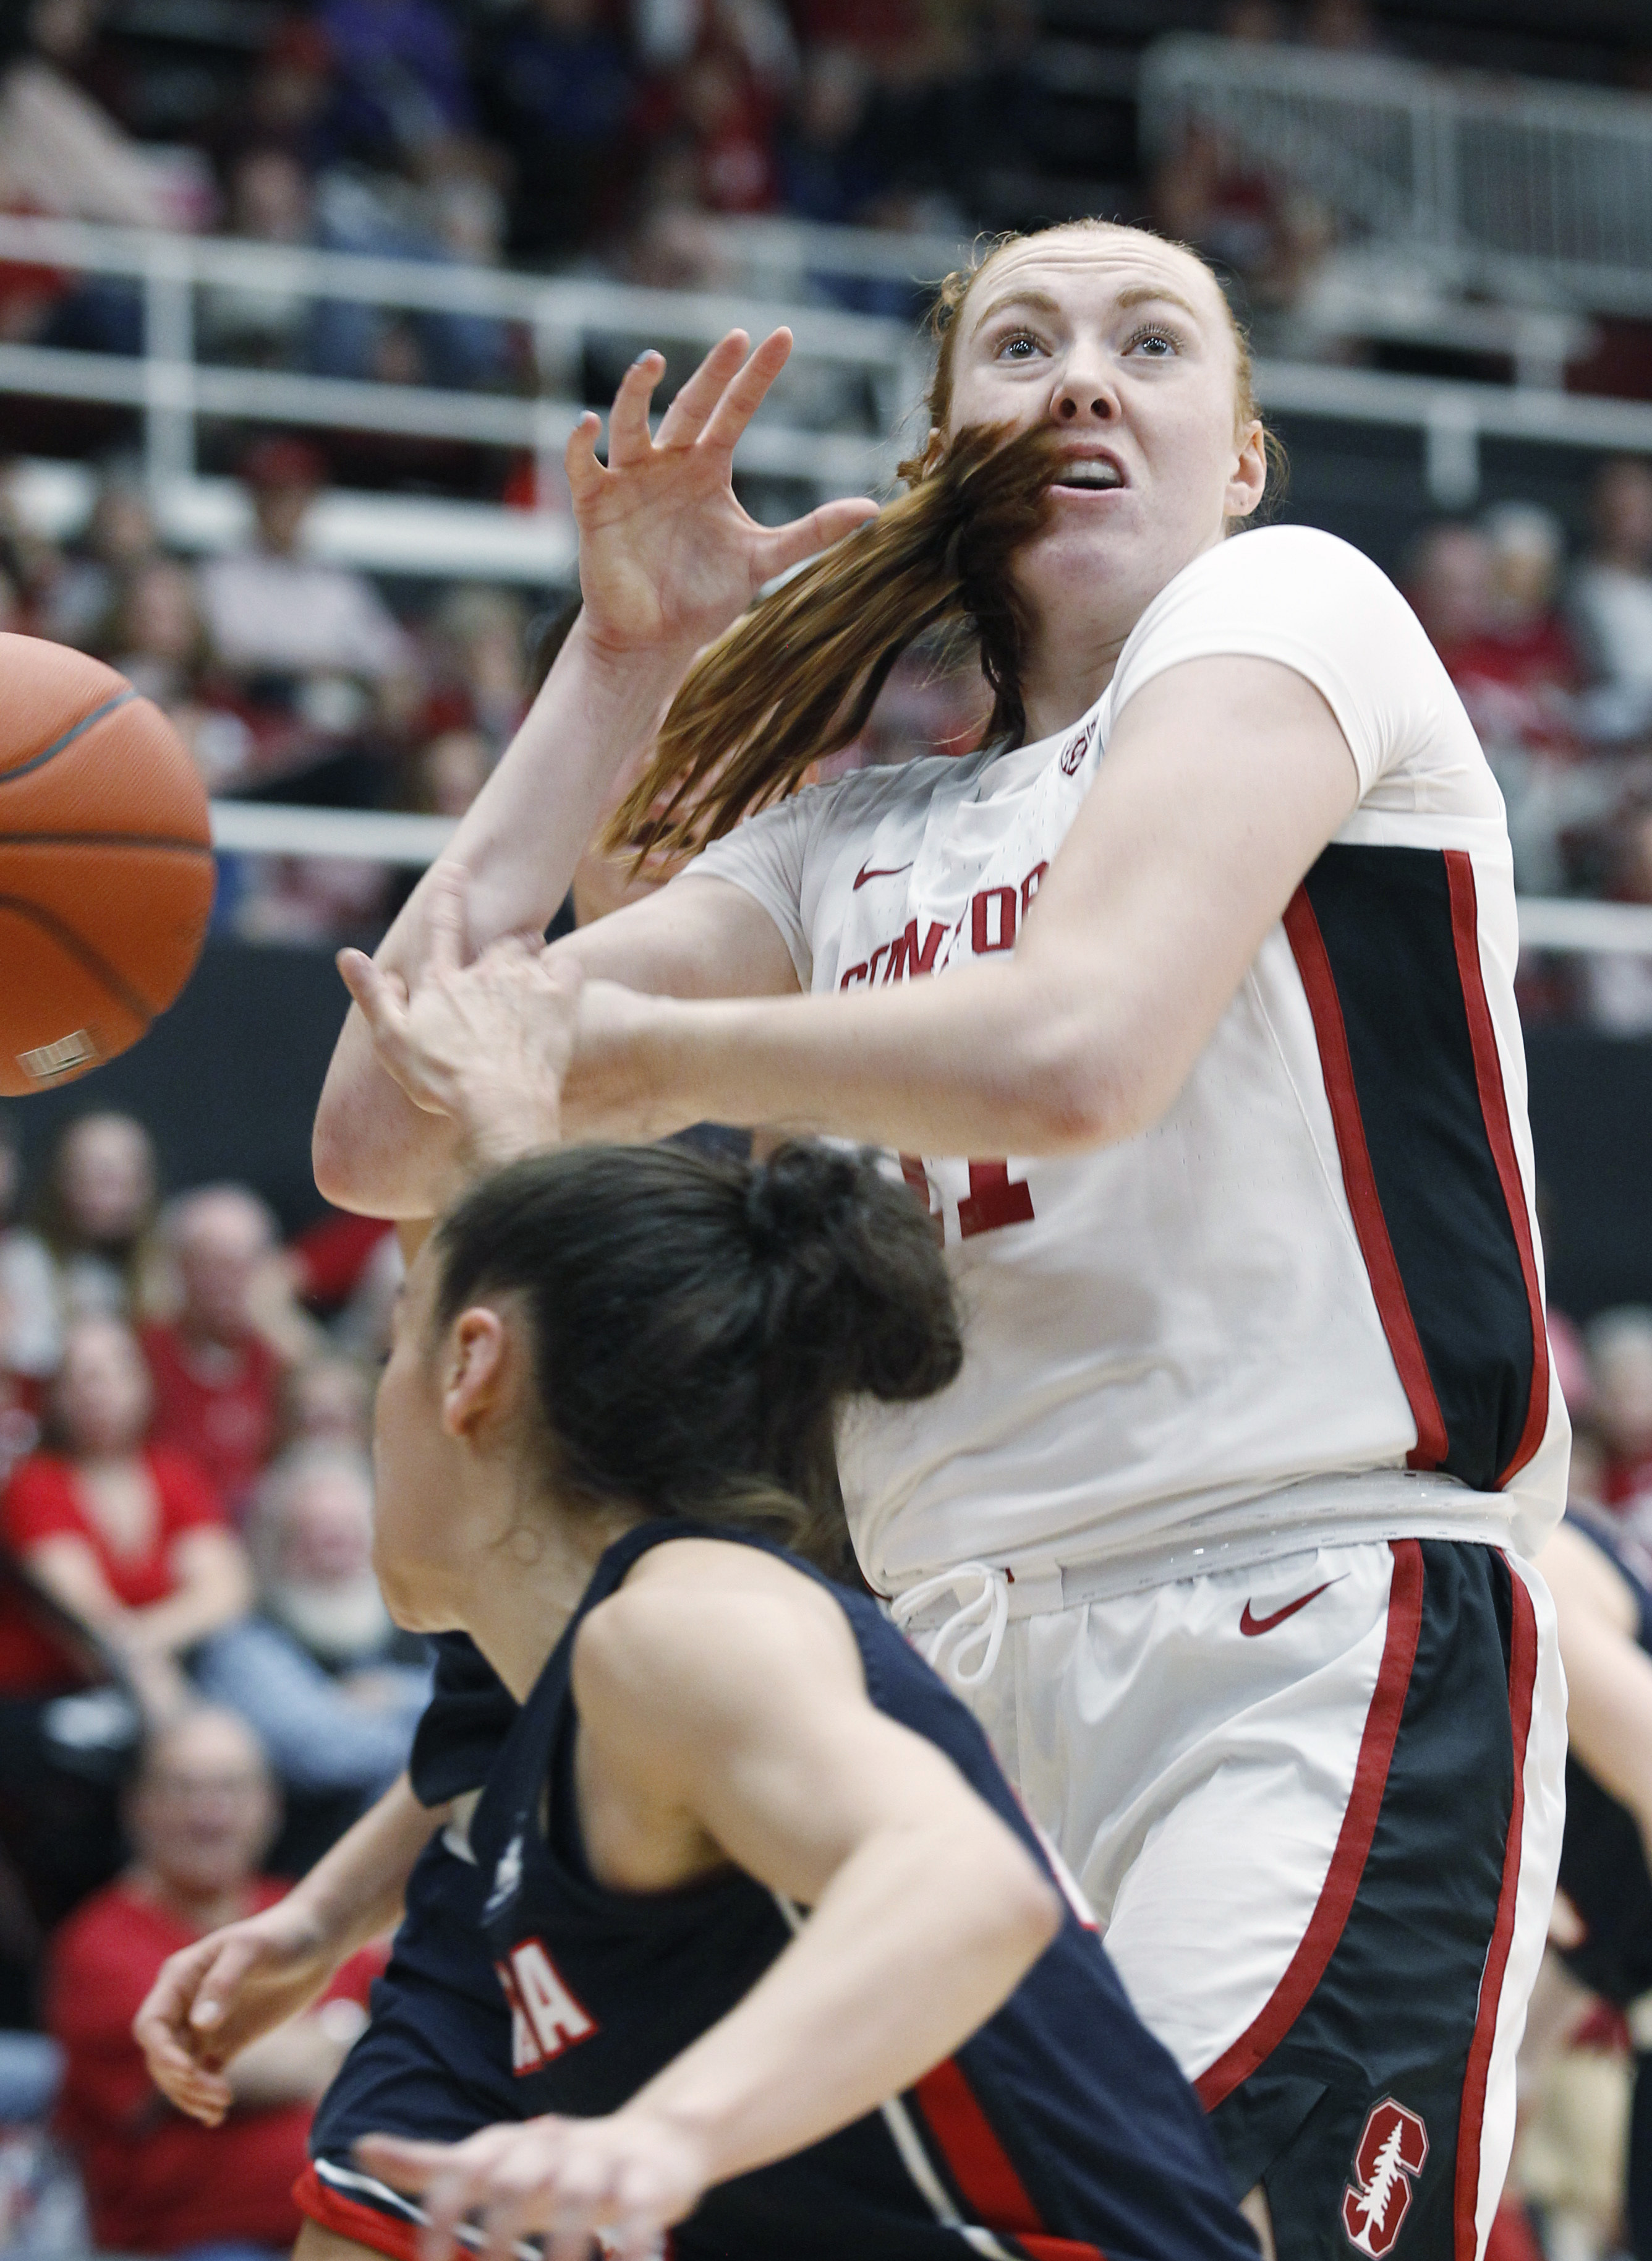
[[796, 678]]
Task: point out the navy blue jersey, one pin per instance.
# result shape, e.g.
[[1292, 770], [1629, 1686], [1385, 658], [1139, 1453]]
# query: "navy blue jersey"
[[1603, 1865], [1060, 2131], [470, 1712]]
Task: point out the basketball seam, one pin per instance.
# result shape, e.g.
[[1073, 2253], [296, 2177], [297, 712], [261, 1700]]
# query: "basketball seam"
[[67, 939], [106, 840], [37, 761]]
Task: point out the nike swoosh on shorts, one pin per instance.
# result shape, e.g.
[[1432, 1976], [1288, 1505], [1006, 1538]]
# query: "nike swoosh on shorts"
[[1249, 1625]]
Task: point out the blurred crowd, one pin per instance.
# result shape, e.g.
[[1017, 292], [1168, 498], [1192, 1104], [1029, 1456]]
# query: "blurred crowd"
[[1552, 654], [200, 1686], [293, 679], [557, 134], [287, 677]]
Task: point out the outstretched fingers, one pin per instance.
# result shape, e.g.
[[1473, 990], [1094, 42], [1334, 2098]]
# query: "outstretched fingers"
[[744, 393], [629, 439], [690, 412], [579, 458]]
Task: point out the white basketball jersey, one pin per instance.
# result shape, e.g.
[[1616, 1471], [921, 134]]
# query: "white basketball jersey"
[[1307, 1303]]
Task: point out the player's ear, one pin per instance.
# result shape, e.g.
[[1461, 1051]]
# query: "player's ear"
[[475, 1370], [1248, 481]]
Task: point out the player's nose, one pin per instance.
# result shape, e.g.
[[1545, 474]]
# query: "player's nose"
[[1084, 392]]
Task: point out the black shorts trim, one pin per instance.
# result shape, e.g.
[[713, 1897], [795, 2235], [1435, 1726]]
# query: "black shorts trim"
[[1357, 2101]]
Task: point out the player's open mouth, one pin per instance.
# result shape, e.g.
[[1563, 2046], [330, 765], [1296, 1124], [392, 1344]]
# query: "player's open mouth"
[[1090, 475]]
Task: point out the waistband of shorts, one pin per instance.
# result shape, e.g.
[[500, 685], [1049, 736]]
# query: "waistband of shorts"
[[1299, 1519]]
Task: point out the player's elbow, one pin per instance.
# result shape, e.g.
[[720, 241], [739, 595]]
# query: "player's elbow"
[[331, 1158], [1027, 1909], [347, 1159], [1076, 1088], [1017, 1910]]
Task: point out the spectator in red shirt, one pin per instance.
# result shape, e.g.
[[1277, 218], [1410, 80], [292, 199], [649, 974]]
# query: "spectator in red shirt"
[[1519, 675], [217, 1363], [202, 1815], [128, 1537]]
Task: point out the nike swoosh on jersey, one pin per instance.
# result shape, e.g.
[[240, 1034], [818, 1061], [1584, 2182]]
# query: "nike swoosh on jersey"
[[866, 872], [1251, 1626]]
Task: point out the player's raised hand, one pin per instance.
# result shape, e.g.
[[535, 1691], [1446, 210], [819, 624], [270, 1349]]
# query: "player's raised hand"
[[487, 1044], [666, 556], [213, 1998], [630, 2176]]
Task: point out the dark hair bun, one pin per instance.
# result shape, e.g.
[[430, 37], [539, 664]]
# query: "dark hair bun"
[[696, 1321], [858, 1292]]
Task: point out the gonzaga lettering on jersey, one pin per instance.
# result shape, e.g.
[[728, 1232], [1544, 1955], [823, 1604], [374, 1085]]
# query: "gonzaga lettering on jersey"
[[1061, 2131], [1308, 1302]]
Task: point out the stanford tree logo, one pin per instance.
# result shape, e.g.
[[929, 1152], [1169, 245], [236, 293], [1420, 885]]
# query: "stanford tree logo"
[[1391, 2150]]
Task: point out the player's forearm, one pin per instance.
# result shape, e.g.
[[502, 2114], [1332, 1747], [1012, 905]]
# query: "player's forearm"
[[920, 1937], [354, 1893], [986, 1061], [520, 840], [291, 2065], [524, 833]]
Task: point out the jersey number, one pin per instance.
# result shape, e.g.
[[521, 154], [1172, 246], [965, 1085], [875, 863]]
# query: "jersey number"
[[995, 1198]]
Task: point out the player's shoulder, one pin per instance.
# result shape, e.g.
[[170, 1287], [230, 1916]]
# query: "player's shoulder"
[[1293, 593], [1304, 559], [702, 1613]]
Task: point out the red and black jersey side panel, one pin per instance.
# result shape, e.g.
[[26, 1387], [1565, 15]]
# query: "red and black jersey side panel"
[[1386, 942]]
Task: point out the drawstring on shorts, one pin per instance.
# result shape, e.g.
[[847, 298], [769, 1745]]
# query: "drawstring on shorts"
[[978, 1624]]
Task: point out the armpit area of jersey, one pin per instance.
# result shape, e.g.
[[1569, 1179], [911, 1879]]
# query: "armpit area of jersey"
[[462, 1726]]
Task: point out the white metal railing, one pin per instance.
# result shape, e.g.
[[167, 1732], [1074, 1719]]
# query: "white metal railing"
[[1539, 193], [805, 260], [1558, 924], [880, 358]]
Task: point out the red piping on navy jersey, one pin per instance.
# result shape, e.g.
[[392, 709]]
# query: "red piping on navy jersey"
[[365, 2225], [1488, 1071], [1522, 1685], [352, 2218], [1307, 1966], [982, 2170], [1393, 1306]]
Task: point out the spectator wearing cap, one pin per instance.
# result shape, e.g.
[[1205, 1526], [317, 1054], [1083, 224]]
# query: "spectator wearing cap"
[[201, 1817], [273, 610], [218, 1361]]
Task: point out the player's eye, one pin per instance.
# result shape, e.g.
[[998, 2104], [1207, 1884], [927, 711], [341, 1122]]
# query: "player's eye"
[[1154, 341], [1019, 345]]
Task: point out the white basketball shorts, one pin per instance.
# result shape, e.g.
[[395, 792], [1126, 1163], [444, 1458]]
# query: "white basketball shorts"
[[1317, 1806]]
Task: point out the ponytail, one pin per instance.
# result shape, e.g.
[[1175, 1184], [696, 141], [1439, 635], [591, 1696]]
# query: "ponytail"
[[796, 678], [695, 1326]]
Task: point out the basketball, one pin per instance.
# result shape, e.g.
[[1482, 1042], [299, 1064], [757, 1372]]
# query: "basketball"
[[106, 868]]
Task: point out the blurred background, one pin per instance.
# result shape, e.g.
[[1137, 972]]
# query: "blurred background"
[[297, 306]]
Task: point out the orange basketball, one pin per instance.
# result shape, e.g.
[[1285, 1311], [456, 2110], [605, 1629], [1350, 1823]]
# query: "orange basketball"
[[105, 864]]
